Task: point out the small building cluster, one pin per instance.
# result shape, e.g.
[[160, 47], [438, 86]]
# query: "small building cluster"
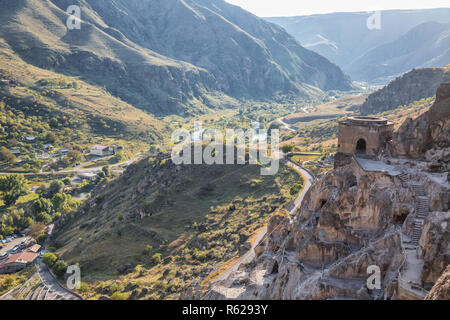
[[102, 151], [19, 261]]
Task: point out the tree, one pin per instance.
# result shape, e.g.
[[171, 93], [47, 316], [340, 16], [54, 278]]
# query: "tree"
[[287, 148], [42, 205], [43, 217], [67, 181], [49, 259], [36, 229], [75, 156], [105, 169], [7, 156], [60, 268], [12, 187], [55, 187], [50, 137], [61, 201]]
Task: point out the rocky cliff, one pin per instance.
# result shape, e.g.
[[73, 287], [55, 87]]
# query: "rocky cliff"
[[428, 135], [390, 215], [412, 86], [441, 290]]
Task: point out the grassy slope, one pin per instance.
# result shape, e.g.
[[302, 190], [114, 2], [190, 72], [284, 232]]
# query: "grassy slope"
[[188, 216], [86, 101]]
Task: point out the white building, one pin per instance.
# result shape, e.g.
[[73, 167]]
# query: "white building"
[[102, 151]]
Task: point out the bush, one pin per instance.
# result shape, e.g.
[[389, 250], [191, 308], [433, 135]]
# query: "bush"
[[287, 148], [60, 268], [43, 217], [157, 258], [49, 259], [148, 248], [42, 205], [119, 296]]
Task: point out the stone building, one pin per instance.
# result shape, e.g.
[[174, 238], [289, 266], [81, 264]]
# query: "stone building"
[[365, 136]]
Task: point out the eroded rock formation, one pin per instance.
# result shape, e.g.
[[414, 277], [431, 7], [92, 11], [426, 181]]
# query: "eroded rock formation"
[[392, 214]]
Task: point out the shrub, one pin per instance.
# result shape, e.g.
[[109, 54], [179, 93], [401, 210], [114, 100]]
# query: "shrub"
[[119, 296], [43, 217], [49, 258], [60, 268], [157, 258]]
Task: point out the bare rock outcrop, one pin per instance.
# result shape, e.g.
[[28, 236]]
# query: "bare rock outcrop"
[[441, 290], [429, 133], [350, 221]]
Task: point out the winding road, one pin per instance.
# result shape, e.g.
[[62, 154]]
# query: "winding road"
[[285, 125], [250, 255]]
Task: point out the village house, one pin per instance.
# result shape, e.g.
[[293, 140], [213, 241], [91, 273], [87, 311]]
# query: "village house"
[[102, 151], [63, 151], [17, 262], [48, 147], [15, 151], [35, 248], [88, 176], [30, 138]]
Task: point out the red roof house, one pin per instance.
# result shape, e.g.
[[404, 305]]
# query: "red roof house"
[[17, 262]]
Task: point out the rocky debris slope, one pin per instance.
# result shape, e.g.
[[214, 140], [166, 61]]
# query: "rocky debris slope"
[[441, 290], [428, 136]]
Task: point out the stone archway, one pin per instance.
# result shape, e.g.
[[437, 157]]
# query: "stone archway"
[[361, 146]]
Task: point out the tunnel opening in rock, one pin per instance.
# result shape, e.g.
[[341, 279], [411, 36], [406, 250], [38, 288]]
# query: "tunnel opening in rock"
[[274, 268], [361, 146]]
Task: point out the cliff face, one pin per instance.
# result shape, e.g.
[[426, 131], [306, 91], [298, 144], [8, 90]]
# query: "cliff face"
[[428, 135], [441, 290], [350, 219], [412, 86], [392, 214]]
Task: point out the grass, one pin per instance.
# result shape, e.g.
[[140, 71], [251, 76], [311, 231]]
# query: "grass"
[[199, 226]]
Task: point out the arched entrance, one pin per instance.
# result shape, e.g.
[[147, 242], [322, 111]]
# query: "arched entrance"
[[361, 146]]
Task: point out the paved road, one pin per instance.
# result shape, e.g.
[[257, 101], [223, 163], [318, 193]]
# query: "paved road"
[[249, 255], [47, 277], [49, 281], [286, 126]]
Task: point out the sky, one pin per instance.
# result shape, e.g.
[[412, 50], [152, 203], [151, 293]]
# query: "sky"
[[274, 8]]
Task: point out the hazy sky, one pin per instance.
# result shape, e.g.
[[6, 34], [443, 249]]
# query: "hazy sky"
[[272, 8]]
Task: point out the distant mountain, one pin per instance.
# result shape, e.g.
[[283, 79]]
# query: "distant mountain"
[[426, 45], [168, 56], [412, 86], [345, 39]]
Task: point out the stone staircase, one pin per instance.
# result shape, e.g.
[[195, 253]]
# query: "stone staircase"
[[404, 178], [422, 208]]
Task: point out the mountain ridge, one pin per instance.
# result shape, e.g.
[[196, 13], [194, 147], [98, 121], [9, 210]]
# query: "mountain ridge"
[[171, 58], [344, 37]]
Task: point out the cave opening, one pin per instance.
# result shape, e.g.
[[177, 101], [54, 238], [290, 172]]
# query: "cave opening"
[[361, 146]]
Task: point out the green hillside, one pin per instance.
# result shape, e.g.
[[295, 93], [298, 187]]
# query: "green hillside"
[[195, 216]]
